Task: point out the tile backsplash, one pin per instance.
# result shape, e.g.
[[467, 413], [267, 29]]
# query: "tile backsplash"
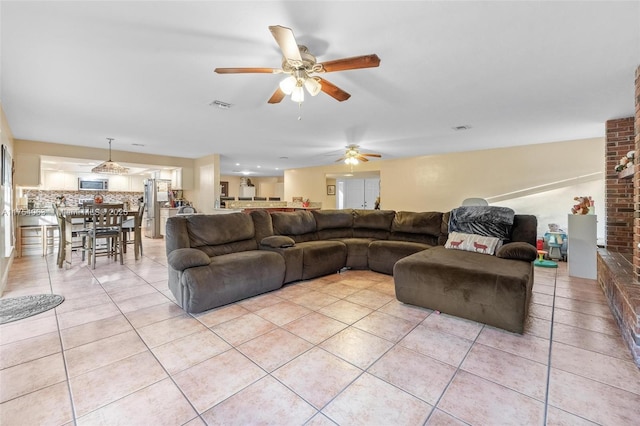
[[44, 198]]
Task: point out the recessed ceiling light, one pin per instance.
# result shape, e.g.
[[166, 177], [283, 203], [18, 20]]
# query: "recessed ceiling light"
[[220, 104], [463, 127], [237, 164], [258, 166]]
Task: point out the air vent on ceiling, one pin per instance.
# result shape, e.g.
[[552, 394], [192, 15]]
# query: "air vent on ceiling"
[[463, 127], [220, 104]]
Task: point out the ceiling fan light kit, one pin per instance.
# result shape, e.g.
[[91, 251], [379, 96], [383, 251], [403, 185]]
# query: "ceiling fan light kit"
[[109, 167], [300, 65], [353, 156]]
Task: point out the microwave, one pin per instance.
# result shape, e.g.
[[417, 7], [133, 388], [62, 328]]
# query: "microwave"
[[93, 184]]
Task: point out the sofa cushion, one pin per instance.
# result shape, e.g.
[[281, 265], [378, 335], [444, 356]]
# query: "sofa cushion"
[[322, 257], [262, 224], [299, 225], [330, 219], [228, 279], [419, 227], [181, 259], [276, 241], [357, 252], [372, 223], [518, 251], [332, 224], [212, 230], [481, 288], [383, 254], [472, 242], [490, 221]]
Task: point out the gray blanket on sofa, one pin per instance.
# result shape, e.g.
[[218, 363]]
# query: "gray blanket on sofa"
[[490, 221]]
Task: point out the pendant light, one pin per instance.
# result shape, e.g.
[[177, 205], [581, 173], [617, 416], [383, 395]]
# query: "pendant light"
[[109, 167]]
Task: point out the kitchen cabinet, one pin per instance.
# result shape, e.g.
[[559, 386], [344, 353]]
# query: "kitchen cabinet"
[[182, 178], [119, 183], [166, 213], [137, 183], [53, 180], [27, 170]]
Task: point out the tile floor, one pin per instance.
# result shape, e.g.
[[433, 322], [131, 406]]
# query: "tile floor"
[[334, 350]]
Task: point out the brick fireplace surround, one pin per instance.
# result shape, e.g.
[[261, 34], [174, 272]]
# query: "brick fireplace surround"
[[619, 262]]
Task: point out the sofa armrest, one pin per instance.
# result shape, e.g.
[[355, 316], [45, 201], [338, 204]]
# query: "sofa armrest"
[[277, 241], [518, 251], [181, 259]]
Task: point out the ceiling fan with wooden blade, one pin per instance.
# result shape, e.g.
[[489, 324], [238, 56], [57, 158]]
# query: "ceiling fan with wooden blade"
[[353, 155], [301, 66]]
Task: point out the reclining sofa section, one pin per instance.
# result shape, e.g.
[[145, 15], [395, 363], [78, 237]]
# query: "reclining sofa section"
[[219, 259]]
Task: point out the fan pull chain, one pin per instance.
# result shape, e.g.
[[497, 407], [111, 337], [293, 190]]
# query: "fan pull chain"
[[299, 111]]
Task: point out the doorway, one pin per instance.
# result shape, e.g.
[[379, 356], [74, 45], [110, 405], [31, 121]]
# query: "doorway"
[[357, 193]]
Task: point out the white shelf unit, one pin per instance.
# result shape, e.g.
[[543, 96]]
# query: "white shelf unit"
[[582, 248]]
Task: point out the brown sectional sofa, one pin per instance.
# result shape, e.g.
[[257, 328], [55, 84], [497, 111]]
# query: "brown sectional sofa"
[[218, 259]]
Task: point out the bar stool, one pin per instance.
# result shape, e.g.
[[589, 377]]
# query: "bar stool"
[[50, 238]]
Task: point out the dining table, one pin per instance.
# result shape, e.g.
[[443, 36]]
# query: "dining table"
[[72, 222]]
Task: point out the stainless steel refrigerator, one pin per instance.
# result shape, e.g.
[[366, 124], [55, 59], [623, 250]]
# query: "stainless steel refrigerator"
[[156, 193]]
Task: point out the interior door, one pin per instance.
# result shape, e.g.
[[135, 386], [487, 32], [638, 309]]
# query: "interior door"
[[371, 192], [354, 194], [361, 193]]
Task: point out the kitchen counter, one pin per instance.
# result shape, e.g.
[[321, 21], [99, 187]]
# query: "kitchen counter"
[[271, 205]]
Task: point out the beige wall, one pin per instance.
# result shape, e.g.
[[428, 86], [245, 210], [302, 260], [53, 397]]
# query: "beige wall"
[[544, 174], [206, 183], [265, 186], [6, 225], [99, 154]]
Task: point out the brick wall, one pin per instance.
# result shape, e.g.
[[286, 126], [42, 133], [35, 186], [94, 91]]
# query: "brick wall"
[[636, 179], [619, 192]]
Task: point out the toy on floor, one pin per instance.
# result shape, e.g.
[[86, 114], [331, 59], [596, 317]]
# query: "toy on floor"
[[542, 262], [555, 238]]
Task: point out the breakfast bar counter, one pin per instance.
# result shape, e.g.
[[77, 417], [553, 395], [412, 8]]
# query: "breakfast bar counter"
[[274, 206]]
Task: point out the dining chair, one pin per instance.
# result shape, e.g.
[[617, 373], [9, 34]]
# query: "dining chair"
[[134, 225], [62, 234], [107, 225]]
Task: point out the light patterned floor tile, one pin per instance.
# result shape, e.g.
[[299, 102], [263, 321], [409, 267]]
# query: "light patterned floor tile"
[[102, 352], [242, 329], [30, 376], [209, 383], [266, 401], [517, 373], [417, 374], [274, 349], [370, 400], [357, 347], [592, 400], [315, 327], [317, 376], [162, 403], [491, 404], [188, 351], [107, 384], [441, 346], [50, 405]]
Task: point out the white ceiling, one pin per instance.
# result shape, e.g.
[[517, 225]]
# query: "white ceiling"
[[142, 72]]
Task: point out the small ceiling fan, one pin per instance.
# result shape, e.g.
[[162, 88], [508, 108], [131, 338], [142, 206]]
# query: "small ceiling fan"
[[353, 155], [301, 67]]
